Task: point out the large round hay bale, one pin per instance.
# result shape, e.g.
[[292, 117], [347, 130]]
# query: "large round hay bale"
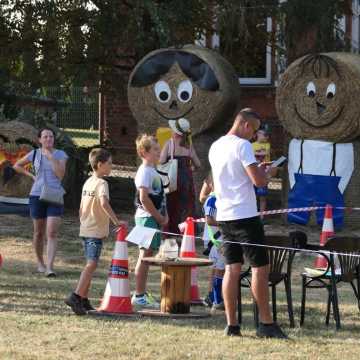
[[17, 132], [191, 82], [315, 97]]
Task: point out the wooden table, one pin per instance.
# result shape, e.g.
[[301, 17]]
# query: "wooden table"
[[176, 282]]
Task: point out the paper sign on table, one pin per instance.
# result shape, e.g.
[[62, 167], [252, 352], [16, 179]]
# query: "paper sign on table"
[[141, 236]]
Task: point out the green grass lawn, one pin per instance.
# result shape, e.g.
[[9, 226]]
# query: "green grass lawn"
[[36, 324], [83, 137]]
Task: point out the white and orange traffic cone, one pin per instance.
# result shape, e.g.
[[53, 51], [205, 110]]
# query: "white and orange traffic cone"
[[117, 292], [188, 250], [326, 232]]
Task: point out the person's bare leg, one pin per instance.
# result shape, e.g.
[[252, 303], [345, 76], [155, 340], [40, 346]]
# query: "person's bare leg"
[[230, 288], [83, 285], [38, 242], [260, 291], [52, 226], [141, 271], [262, 201]]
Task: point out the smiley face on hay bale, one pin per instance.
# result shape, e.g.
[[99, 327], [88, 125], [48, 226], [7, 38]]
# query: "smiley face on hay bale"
[[315, 97], [192, 82]]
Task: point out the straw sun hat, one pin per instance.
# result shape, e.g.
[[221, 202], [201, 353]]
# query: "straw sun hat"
[[180, 126]]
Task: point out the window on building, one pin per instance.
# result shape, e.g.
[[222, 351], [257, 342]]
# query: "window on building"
[[248, 49]]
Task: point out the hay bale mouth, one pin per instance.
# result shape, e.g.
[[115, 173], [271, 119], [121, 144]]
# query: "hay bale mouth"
[[173, 117], [319, 125]]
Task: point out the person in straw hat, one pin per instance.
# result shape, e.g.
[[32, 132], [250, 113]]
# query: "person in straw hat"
[[181, 203]]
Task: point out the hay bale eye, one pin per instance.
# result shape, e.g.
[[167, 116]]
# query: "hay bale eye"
[[185, 91], [162, 91], [331, 91], [311, 89]]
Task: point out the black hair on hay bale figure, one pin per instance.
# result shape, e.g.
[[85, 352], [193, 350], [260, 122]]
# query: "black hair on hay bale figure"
[[191, 65]]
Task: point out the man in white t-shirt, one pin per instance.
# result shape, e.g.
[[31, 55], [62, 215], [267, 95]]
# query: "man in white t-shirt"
[[235, 172]]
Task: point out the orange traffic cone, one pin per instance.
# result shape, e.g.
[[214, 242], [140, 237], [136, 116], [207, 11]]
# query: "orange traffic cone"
[[117, 292], [326, 232], [188, 250]]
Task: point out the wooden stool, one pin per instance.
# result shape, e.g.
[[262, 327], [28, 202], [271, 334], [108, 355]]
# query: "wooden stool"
[[176, 282]]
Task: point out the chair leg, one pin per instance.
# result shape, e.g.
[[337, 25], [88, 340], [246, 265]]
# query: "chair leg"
[[356, 292], [328, 307], [303, 298], [239, 305], [273, 301], [358, 286], [334, 294], [287, 282]]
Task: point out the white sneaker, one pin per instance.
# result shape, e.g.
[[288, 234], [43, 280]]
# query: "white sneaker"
[[146, 301], [216, 308]]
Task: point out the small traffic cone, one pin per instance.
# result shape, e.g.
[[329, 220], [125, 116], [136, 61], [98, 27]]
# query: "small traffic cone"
[[188, 250], [117, 292], [326, 232]]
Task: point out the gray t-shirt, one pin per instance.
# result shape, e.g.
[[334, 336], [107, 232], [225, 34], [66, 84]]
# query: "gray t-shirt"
[[44, 170]]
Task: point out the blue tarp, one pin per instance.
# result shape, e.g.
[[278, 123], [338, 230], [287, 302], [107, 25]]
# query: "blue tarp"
[[16, 209]]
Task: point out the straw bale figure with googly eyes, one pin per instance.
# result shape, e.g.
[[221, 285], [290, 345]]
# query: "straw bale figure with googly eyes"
[[317, 104], [191, 82]]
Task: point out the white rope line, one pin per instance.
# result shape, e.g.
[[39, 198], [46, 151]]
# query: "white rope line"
[[321, 252]]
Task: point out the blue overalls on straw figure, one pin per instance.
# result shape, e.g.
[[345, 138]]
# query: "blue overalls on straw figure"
[[318, 180]]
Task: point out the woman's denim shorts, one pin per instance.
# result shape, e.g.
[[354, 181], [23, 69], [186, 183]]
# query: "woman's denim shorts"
[[92, 248], [42, 210]]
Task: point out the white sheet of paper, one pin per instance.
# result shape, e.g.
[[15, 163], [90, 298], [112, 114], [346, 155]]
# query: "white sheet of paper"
[[141, 236]]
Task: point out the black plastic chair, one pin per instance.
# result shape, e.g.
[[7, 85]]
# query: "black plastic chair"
[[278, 259], [349, 261]]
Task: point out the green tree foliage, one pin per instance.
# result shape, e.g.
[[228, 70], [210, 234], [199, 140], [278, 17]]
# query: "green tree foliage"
[[312, 26], [79, 42]]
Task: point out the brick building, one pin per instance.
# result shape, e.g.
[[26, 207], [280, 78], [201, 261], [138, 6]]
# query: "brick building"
[[118, 128]]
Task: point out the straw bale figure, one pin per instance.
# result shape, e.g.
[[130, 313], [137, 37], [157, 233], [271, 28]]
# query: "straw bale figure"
[[190, 82], [317, 104]]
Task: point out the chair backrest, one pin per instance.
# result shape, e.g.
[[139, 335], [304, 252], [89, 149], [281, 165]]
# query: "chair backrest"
[[349, 259], [277, 257]]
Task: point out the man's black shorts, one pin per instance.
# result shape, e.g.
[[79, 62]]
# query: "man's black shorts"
[[248, 230]]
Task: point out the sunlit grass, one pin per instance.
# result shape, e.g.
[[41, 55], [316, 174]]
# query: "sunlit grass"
[[84, 137], [36, 324]]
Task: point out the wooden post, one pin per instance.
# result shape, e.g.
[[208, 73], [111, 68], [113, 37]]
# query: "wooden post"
[[175, 289]]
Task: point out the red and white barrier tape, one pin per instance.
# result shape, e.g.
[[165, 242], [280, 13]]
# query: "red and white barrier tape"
[[290, 210]]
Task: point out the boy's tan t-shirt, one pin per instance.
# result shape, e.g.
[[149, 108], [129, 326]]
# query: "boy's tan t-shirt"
[[94, 222]]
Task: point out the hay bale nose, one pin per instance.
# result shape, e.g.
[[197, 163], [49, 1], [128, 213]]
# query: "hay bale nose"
[[320, 108], [173, 105]]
